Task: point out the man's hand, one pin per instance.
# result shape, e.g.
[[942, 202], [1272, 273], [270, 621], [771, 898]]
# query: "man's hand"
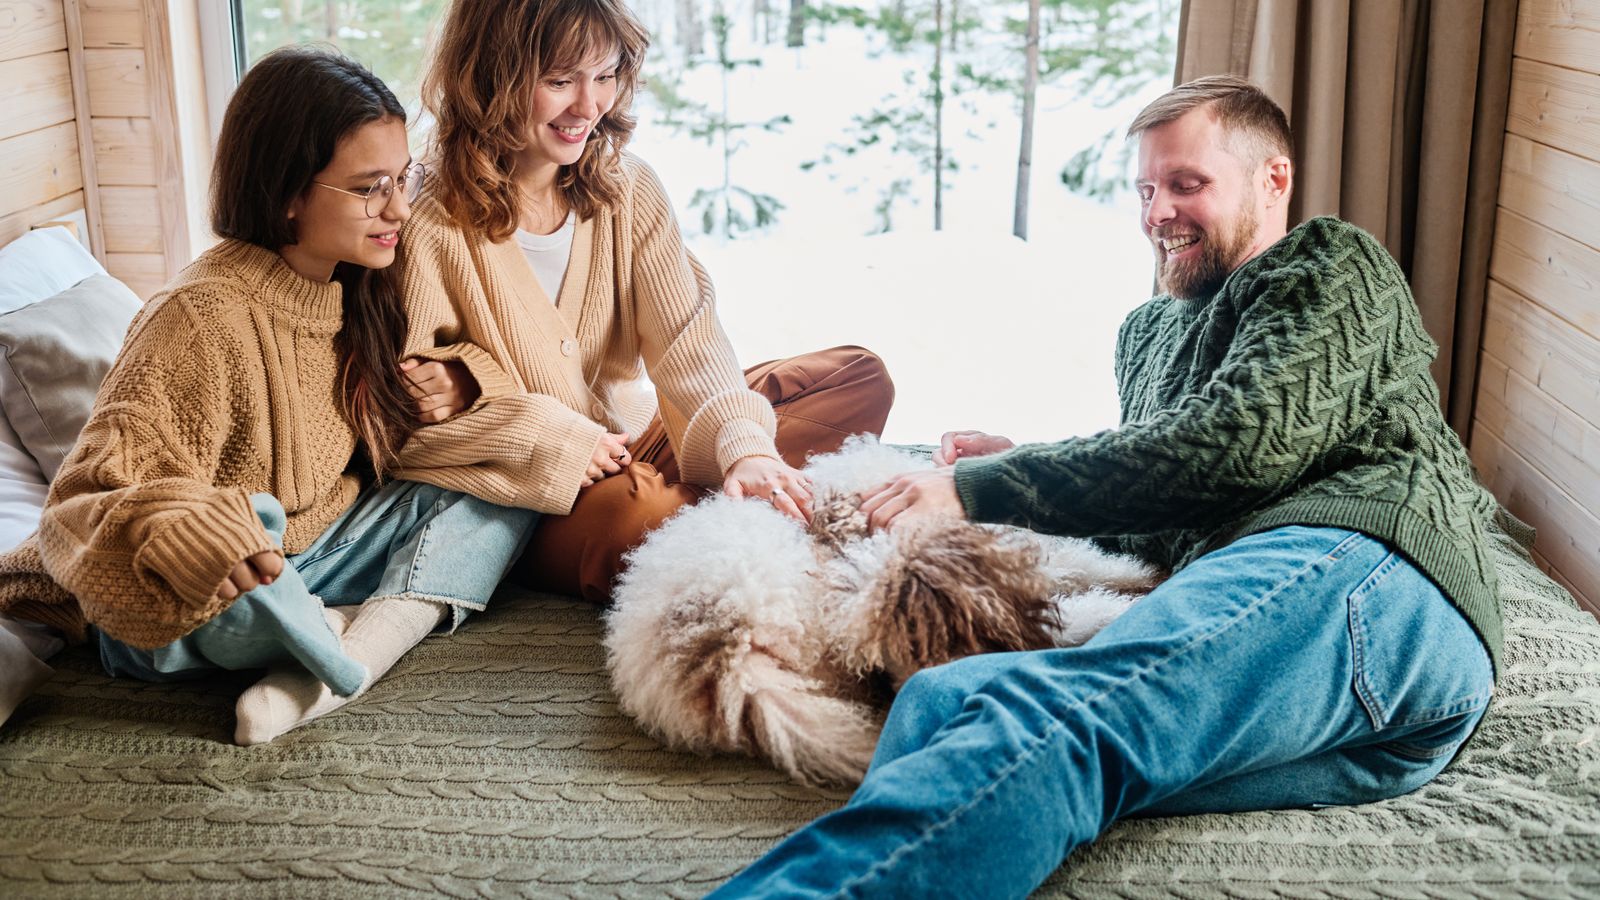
[[610, 455], [962, 444], [774, 480], [251, 572], [441, 389], [912, 497]]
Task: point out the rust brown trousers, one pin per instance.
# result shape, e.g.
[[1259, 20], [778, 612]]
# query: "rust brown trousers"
[[819, 399]]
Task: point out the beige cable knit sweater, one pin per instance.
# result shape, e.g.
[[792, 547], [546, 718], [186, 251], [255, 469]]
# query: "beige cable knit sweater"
[[632, 293], [226, 386]]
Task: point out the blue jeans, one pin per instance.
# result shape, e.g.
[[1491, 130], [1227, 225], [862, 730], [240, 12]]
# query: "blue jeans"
[[400, 538], [1296, 667]]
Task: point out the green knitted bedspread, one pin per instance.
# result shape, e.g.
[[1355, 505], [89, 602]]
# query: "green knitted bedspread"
[[495, 763]]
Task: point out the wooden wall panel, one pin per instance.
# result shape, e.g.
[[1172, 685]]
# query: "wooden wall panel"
[[1555, 106], [125, 151], [1536, 424], [1569, 535], [17, 224], [28, 27], [113, 23], [40, 166], [1556, 272], [1552, 187], [117, 83], [1560, 32], [1561, 361], [132, 219], [1566, 447], [144, 273], [35, 92]]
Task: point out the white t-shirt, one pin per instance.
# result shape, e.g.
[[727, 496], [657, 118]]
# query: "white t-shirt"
[[548, 254]]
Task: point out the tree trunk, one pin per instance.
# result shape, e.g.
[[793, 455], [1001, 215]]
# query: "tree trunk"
[[331, 22], [1030, 87], [691, 33], [938, 115], [797, 23]]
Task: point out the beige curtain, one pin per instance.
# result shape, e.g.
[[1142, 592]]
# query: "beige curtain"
[[1398, 109]]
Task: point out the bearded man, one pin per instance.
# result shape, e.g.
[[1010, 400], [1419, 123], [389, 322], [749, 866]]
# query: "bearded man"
[[1329, 631]]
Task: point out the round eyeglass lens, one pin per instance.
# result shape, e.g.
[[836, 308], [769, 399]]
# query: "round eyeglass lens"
[[378, 196]]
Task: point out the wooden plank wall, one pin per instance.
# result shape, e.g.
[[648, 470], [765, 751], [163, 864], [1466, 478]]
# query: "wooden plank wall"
[[45, 165], [127, 144], [1536, 431]]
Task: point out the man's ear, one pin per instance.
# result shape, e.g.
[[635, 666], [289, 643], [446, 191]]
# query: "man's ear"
[[1277, 180]]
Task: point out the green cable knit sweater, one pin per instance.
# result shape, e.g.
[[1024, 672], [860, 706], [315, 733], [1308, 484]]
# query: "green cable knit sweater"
[[1298, 394]]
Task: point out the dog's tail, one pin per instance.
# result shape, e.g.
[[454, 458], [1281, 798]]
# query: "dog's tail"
[[814, 736], [740, 689]]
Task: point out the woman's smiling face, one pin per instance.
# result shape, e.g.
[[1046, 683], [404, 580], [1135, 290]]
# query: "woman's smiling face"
[[567, 105]]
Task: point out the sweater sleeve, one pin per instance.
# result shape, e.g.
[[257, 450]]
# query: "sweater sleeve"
[[1316, 352], [511, 447], [135, 527], [712, 417]]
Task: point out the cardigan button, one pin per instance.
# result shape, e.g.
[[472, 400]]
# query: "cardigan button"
[[598, 410], [569, 347]]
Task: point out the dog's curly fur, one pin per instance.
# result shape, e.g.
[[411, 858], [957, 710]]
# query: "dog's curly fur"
[[736, 629]]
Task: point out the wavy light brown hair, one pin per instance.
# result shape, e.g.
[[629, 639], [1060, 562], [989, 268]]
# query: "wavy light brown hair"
[[479, 88]]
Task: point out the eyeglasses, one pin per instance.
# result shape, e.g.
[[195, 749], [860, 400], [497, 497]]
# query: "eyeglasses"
[[381, 193]]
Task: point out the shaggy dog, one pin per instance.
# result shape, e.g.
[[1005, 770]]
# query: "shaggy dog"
[[735, 628]]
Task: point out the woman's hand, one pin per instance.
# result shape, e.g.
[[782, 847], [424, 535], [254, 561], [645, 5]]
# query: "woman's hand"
[[773, 480], [610, 455], [962, 444], [251, 572], [441, 389]]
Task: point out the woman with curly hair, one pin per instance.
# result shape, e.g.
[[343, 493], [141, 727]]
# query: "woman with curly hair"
[[544, 243]]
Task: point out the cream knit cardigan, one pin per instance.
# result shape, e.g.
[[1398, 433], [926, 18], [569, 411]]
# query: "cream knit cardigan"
[[634, 300]]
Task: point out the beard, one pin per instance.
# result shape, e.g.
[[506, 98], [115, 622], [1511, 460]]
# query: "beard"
[[1201, 274]]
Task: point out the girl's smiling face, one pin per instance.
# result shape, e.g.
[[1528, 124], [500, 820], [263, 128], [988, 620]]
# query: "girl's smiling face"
[[330, 217]]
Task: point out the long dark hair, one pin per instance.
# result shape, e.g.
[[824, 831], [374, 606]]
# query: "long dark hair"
[[282, 126]]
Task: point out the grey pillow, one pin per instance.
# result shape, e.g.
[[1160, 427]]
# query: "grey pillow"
[[53, 356]]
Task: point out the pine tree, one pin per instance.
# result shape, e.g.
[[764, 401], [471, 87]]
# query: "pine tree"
[[909, 122], [728, 208]]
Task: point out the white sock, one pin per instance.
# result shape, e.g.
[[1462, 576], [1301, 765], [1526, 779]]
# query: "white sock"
[[383, 629]]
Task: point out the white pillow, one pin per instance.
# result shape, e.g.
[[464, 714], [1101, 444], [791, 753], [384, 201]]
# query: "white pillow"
[[42, 263], [22, 489]]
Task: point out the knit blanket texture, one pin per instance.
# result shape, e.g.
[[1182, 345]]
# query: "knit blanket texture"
[[494, 762]]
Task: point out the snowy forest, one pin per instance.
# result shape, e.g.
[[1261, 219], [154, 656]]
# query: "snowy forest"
[[872, 174], [941, 67]]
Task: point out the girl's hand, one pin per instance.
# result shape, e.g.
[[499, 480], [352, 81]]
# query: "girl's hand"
[[610, 455], [441, 389], [773, 480], [251, 572], [963, 444]]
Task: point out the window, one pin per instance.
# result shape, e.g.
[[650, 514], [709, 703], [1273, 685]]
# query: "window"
[[848, 175]]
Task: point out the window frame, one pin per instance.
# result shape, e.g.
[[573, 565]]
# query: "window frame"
[[222, 55]]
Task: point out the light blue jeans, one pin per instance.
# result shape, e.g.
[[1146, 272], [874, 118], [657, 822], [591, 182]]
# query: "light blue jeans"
[[1296, 667], [399, 538]]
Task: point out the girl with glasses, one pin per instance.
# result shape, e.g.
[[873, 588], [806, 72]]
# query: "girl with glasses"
[[545, 243], [231, 503]]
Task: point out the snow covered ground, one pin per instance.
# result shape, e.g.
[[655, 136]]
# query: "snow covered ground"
[[979, 329]]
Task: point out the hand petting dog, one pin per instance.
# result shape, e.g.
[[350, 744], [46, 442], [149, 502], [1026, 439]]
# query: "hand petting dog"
[[919, 496]]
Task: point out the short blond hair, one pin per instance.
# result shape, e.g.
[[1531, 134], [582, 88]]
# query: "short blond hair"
[[1257, 127]]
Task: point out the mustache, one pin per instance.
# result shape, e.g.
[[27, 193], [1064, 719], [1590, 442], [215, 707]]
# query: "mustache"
[[1161, 234]]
